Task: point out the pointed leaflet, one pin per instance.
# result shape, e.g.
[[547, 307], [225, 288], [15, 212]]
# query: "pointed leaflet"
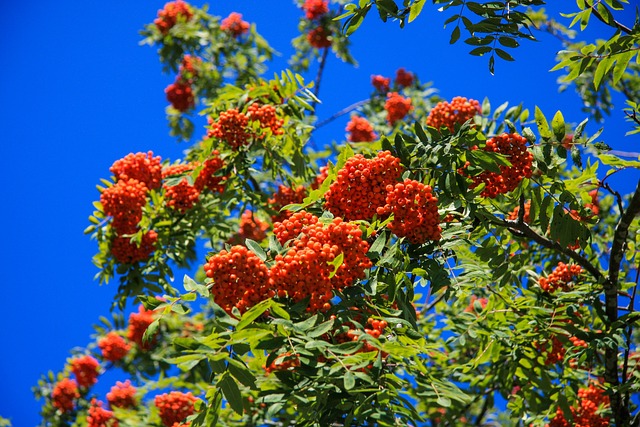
[[543, 126], [231, 392]]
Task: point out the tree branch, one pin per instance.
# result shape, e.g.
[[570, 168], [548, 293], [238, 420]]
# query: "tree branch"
[[323, 61], [620, 411], [526, 231], [616, 24]]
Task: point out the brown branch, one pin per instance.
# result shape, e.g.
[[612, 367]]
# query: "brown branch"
[[526, 231], [323, 61], [620, 411], [342, 112], [616, 24]]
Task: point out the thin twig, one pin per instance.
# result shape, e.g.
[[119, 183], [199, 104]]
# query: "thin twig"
[[323, 60], [342, 112]]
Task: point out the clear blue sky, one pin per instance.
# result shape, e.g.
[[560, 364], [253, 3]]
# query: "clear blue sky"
[[78, 93]]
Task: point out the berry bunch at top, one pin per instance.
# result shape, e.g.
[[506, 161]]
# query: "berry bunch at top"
[[446, 114], [234, 25], [360, 187], [140, 166], [316, 10], [415, 211], [563, 277], [514, 147], [171, 14], [307, 270]]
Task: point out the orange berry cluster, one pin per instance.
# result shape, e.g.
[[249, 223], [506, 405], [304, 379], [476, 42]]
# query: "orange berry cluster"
[[124, 202], [266, 115], [113, 347], [319, 38], [100, 417], [360, 187], [180, 95], [231, 127], [283, 197], [291, 227], [175, 406], [234, 25], [284, 362], [403, 78], [305, 271], [140, 166], [381, 83], [240, 279], [122, 395], [556, 353], [168, 17], [127, 252], [208, 178], [415, 211], [65, 392], [85, 369], [586, 414], [397, 107], [182, 196], [251, 227], [317, 182], [314, 9], [448, 114], [138, 324], [514, 147], [563, 277], [360, 130], [513, 215]]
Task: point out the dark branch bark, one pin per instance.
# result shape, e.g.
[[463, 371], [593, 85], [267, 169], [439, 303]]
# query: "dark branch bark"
[[323, 60], [620, 411]]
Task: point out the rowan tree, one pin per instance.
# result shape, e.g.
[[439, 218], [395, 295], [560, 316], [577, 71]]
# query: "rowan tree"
[[459, 264]]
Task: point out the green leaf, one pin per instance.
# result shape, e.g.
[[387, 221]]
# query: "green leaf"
[[415, 9], [543, 126], [479, 51], [321, 329], [336, 263], [255, 312], [256, 249], [349, 380], [455, 35], [241, 373], [231, 392], [504, 55], [603, 67], [558, 126]]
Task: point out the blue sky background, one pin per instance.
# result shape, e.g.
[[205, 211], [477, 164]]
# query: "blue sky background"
[[78, 93]]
